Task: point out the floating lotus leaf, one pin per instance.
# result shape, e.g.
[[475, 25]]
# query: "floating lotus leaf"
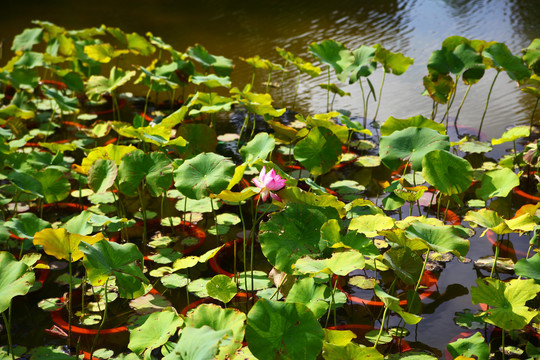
[[220, 319], [439, 168], [63, 245], [285, 330], [497, 183], [392, 124], [369, 225], [105, 259], [222, 288], [351, 351], [507, 301], [475, 147], [411, 145], [490, 220], [318, 151], [155, 331], [293, 233], [16, 278], [203, 175]]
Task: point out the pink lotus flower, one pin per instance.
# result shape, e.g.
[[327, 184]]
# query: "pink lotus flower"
[[268, 182]]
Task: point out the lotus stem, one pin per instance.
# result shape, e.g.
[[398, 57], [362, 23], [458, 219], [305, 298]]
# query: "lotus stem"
[[487, 102], [410, 306], [497, 245], [364, 102], [328, 92], [380, 94], [450, 102], [102, 320], [246, 119], [434, 108], [146, 98], [70, 292], [7, 322], [143, 209], [502, 343], [215, 220], [459, 108], [382, 326], [268, 81], [244, 242], [532, 117]]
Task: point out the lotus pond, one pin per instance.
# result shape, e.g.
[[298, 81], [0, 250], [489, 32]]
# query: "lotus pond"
[[151, 208]]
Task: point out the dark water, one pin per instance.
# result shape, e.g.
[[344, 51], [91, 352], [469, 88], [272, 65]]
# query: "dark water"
[[245, 28], [416, 28]]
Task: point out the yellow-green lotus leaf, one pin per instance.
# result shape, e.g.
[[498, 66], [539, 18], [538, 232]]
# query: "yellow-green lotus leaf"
[[63, 245], [110, 152], [369, 225]]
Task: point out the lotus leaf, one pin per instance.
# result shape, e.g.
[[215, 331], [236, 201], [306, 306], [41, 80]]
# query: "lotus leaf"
[[439, 168], [26, 225], [333, 53], [258, 148], [501, 57], [315, 296], [219, 319], [529, 268], [443, 238], [222, 288], [318, 151], [507, 301], [410, 144], [285, 330], [473, 345], [105, 259], [16, 278], [293, 233], [497, 183], [102, 175], [63, 245], [392, 124]]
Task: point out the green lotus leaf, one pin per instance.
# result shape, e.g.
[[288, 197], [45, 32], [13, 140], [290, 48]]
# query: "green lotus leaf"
[[334, 89], [203, 205], [497, 183], [531, 56], [222, 288], [439, 87], [407, 264], [155, 331], [26, 182], [507, 301], [220, 319], [65, 103], [489, 219], [318, 151], [392, 303], [353, 126], [102, 53], [392, 124], [442, 238], [98, 85], [363, 65], [27, 39], [529, 267], [513, 134], [211, 80], [302, 65], [258, 148], [205, 174], [475, 147], [502, 58], [200, 138], [369, 225], [293, 233], [154, 167], [63, 245], [16, 278], [26, 225], [333, 54], [55, 186], [285, 330], [473, 345], [200, 343], [411, 145], [210, 103], [175, 280], [54, 147], [105, 259], [316, 297], [341, 263], [461, 60], [351, 351], [102, 175], [139, 45], [261, 280], [110, 152], [222, 66], [439, 168], [325, 120], [30, 60], [80, 223], [331, 232], [397, 63]]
